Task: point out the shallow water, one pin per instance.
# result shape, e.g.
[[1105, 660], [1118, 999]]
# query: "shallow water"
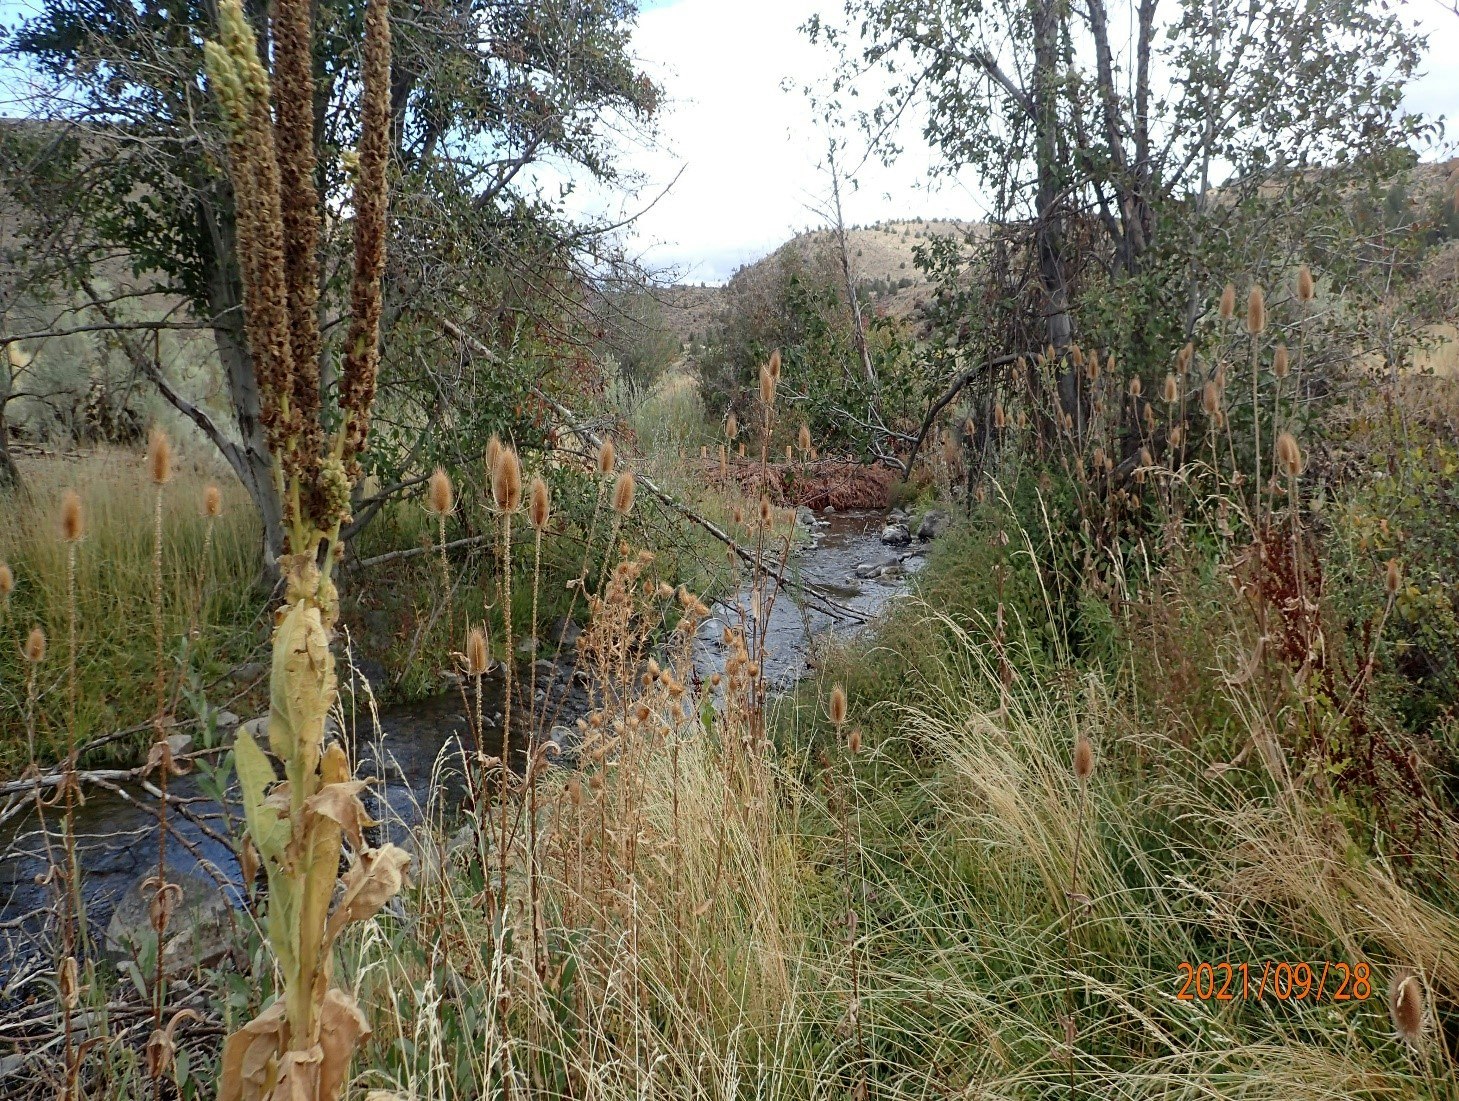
[[415, 754]]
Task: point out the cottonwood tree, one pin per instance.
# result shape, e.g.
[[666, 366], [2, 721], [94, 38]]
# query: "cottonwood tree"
[[126, 170], [1133, 139]]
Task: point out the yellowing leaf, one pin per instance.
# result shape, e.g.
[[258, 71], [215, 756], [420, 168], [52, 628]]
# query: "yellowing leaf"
[[270, 833]]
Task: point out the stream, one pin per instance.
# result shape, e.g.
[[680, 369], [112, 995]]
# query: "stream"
[[414, 755]]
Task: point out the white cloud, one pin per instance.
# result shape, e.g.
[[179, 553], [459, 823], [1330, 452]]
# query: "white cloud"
[[749, 149]]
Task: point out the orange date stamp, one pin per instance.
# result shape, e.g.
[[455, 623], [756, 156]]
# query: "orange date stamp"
[[1283, 981]]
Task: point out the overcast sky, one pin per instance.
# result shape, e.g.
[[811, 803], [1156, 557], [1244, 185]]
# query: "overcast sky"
[[749, 152]]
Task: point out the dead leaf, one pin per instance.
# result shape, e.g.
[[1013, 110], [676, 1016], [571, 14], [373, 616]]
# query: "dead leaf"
[[374, 879], [341, 1028], [250, 1056]]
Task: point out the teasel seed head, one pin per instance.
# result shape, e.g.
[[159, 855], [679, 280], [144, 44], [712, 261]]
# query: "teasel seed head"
[[35, 646], [1256, 311], [774, 365], [1091, 368], [1289, 455], [159, 457], [1148, 412], [212, 502], [1083, 759], [1281, 363], [477, 654], [1406, 1007], [1176, 435], [506, 481], [1172, 390], [1145, 457], [1000, 419], [73, 521], [7, 582], [540, 509], [606, 457], [440, 500], [1392, 576], [1022, 419], [837, 710], [731, 426], [1098, 458], [1136, 386], [493, 453], [805, 438], [1228, 302], [767, 387], [1306, 289], [623, 493], [853, 740], [1211, 398], [765, 510], [1184, 358], [1076, 353]]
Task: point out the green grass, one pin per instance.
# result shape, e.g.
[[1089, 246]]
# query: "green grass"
[[214, 605]]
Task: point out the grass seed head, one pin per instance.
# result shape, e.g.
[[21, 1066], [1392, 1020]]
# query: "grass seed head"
[[440, 497], [159, 457], [35, 646], [623, 493], [73, 520]]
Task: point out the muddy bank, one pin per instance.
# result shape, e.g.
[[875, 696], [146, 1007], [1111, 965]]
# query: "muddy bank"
[[838, 483]]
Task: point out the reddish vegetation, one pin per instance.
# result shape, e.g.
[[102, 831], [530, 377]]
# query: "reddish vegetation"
[[840, 483]]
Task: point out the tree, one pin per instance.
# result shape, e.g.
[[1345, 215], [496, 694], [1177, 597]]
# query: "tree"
[[130, 171], [1105, 155]]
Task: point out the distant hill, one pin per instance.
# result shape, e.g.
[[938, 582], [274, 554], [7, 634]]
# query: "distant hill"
[[881, 262]]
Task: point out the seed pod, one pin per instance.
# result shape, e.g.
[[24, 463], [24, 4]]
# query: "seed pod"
[[774, 365], [1083, 759], [540, 509], [1289, 455], [441, 496], [1172, 390], [1228, 302], [212, 502], [35, 646], [1306, 289], [159, 457], [1256, 311], [1393, 575], [1211, 398], [476, 652], [623, 493], [1281, 364], [837, 709], [1406, 1008], [73, 521], [606, 456], [506, 481], [1136, 386]]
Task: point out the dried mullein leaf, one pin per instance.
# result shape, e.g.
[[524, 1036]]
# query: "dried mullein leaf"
[[340, 803], [373, 881], [299, 1075], [302, 688], [250, 1057], [341, 1028]]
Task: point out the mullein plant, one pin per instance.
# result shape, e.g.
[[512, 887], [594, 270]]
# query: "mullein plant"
[[299, 1048]]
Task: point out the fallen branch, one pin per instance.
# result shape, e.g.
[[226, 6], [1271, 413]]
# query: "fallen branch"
[[811, 594], [951, 392]]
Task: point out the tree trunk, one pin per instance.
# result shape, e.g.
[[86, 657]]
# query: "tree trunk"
[[9, 475], [1049, 236], [249, 457]]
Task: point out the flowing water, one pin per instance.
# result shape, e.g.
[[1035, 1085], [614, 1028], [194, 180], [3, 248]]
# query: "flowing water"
[[415, 751]]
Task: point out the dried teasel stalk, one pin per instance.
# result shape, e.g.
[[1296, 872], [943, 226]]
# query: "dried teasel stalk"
[[73, 518], [1083, 759], [212, 502], [159, 457]]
